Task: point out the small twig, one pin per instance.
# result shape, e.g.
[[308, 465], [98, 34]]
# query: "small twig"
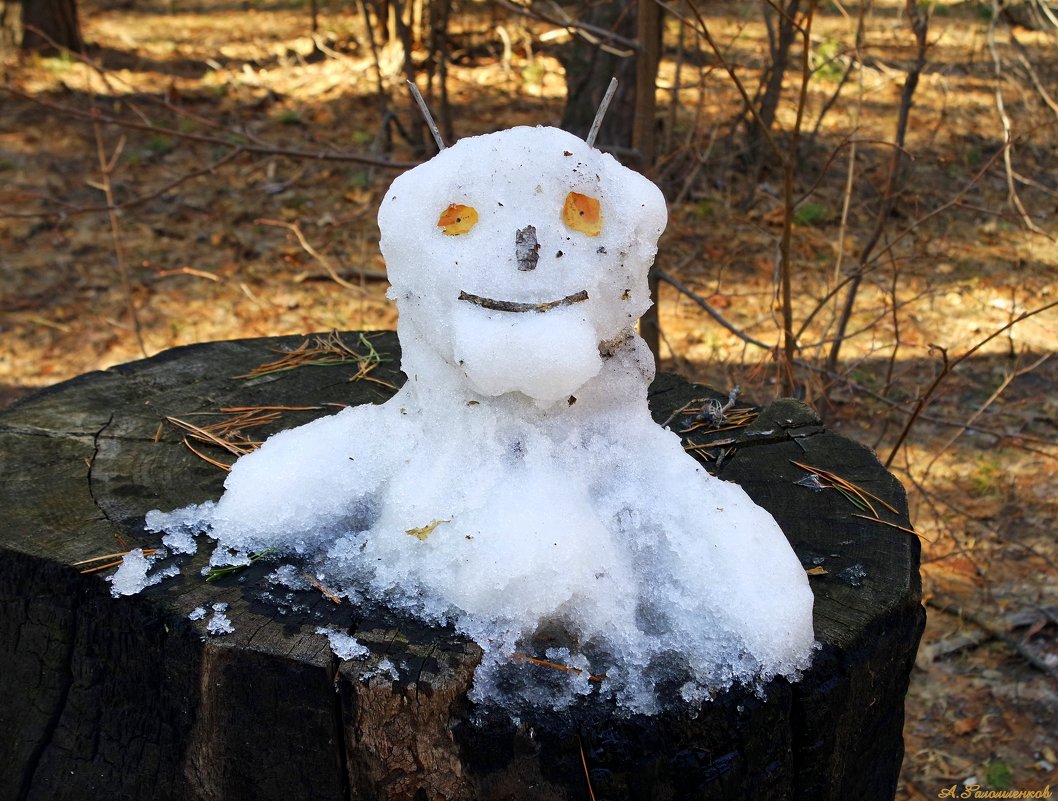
[[514, 306], [69, 210], [224, 141], [106, 168], [1023, 649], [703, 31], [1036, 82], [593, 33], [894, 177], [323, 589], [949, 366], [427, 115], [789, 207], [984, 406], [295, 229], [189, 271], [605, 104], [674, 282], [1004, 119]]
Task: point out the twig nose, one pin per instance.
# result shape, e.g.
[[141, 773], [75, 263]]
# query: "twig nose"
[[526, 248]]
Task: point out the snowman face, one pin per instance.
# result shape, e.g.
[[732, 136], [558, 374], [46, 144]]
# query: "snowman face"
[[517, 241]]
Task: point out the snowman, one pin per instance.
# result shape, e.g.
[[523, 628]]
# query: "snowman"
[[517, 479]]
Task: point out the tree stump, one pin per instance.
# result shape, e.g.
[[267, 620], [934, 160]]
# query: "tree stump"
[[129, 699]]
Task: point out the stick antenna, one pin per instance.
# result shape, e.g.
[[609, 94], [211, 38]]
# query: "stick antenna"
[[426, 114], [605, 104]]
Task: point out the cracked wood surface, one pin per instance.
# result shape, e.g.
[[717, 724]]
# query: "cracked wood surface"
[[124, 698]]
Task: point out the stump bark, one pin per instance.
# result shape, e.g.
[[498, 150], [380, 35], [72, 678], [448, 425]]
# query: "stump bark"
[[129, 699]]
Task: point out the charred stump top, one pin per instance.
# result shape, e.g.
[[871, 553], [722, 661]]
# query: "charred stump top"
[[129, 699]]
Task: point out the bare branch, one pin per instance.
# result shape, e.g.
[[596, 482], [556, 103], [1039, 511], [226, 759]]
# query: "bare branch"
[[295, 229], [106, 169], [139, 200], [593, 33], [948, 366], [708, 309], [232, 140]]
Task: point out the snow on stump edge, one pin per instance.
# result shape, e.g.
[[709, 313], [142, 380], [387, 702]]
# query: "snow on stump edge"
[[129, 698]]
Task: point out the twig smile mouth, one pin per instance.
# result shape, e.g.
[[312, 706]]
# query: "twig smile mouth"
[[514, 306]]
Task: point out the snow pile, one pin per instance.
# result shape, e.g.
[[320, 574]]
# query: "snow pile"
[[517, 485]]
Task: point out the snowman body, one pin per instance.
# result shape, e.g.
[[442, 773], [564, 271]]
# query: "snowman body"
[[517, 479]]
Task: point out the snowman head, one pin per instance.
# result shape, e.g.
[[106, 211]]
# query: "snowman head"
[[512, 256]]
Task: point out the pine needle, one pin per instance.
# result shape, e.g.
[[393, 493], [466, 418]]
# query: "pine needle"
[[557, 666], [210, 460], [841, 484], [702, 446], [587, 775], [894, 525], [97, 568], [228, 434], [327, 351]]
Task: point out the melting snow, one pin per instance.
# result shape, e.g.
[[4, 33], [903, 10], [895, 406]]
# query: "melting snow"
[[517, 480]]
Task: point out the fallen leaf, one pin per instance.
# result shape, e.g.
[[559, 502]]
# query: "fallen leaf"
[[425, 531]]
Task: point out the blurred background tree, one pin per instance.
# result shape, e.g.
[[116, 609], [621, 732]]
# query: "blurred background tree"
[[40, 25]]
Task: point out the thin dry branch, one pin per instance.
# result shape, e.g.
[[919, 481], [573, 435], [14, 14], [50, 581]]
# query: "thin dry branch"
[[894, 178], [70, 210], [789, 206], [944, 604], [106, 169], [295, 229], [703, 31], [233, 139], [1004, 119], [1007, 380], [708, 309], [603, 38], [947, 368]]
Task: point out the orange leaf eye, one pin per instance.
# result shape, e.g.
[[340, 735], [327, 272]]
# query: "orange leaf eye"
[[582, 213], [457, 219]]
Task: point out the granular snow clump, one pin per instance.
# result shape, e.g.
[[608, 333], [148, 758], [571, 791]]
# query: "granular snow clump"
[[180, 542], [219, 623], [189, 520], [131, 576], [288, 576], [343, 646], [197, 613], [517, 483]]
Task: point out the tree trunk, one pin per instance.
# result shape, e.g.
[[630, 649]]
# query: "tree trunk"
[[128, 698], [45, 26], [589, 69], [10, 25]]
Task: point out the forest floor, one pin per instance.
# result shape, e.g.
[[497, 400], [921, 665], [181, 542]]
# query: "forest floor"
[[203, 248]]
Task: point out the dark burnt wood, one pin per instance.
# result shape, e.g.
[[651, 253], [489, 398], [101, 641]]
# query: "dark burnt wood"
[[125, 699]]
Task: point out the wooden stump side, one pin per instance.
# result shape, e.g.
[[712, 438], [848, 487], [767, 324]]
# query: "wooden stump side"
[[127, 698]]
